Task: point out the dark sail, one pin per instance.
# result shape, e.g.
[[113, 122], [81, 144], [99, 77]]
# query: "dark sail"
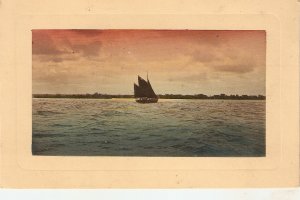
[[137, 91], [142, 82], [143, 89], [151, 91]]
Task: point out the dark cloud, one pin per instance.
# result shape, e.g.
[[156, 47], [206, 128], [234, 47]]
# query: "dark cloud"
[[87, 50], [42, 44], [234, 68], [46, 48]]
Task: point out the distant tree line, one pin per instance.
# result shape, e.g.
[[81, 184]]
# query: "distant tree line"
[[161, 96], [220, 96]]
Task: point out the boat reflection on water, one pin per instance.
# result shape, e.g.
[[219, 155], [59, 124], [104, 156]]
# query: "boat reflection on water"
[[146, 100]]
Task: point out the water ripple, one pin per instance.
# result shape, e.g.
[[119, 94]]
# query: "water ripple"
[[122, 127]]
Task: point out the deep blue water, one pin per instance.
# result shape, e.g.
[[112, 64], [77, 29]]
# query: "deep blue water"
[[122, 127]]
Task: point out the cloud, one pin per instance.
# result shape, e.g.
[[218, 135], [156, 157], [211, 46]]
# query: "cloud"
[[235, 62], [230, 60], [197, 77], [87, 50], [42, 44], [60, 48], [230, 52], [205, 55], [178, 62], [55, 58], [234, 68]]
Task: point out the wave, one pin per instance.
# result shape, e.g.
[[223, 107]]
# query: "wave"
[[47, 112], [61, 125], [50, 135], [175, 128]]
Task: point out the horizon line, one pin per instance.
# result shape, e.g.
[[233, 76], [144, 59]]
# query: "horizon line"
[[157, 94]]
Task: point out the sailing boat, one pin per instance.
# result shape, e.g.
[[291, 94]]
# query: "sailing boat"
[[143, 92]]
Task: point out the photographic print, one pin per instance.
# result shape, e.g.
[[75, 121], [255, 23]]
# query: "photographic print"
[[158, 93]]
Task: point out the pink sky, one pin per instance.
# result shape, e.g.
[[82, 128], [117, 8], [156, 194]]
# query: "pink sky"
[[178, 61]]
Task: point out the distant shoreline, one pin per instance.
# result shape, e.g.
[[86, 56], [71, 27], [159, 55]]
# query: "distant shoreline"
[[165, 96]]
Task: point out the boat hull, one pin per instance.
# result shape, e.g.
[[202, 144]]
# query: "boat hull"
[[146, 100]]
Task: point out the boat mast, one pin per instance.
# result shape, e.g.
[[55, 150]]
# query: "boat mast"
[[147, 77]]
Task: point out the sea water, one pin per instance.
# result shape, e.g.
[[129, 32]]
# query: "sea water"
[[122, 127]]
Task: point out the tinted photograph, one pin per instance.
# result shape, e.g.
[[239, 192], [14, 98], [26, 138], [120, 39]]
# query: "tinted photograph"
[[156, 93]]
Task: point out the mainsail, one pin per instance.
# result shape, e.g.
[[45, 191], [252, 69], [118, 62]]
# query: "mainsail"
[[137, 91], [143, 89], [151, 91]]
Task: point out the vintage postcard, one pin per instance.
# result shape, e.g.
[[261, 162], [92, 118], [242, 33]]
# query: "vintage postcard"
[[203, 96], [196, 93]]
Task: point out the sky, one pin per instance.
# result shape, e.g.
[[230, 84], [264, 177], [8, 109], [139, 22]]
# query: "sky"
[[177, 61]]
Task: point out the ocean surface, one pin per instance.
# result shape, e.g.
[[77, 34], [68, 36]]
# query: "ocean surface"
[[122, 127]]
